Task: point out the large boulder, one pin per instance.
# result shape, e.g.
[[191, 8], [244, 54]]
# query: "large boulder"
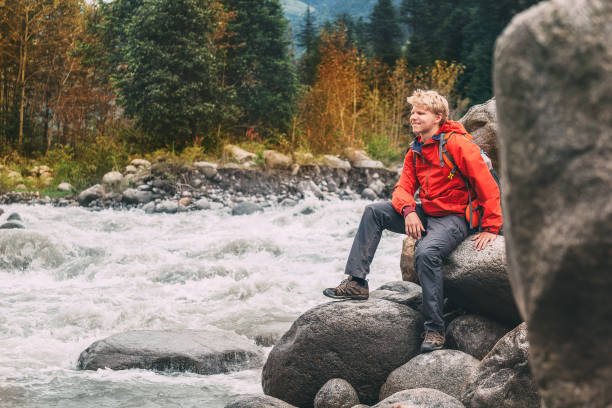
[[91, 194], [405, 293], [420, 398], [359, 341], [207, 169], [238, 155], [112, 181], [336, 393], [134, 196], [481, 122], [359, 159], [276, 160], [553, 80], [442, 370], [334, 162], [199, 351], [257, 401], [503, 378], [473, 334], [478, 281]]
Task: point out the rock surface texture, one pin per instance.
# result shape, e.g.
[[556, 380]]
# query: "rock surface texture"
[[420, 398], [202, 352], [481, 122], [442, 370], [257, 401], [503, 377], [473, 334], [336, 393], [359, 341], [553, 81], [478, 281]]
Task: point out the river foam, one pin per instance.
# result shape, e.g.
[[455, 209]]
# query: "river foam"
[[75, 276]]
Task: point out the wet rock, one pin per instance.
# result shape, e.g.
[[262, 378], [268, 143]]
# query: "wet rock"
[[287, 202], [245, 208], [308, 187], [14, 217], [481, 122], [12, 225], [91, 194], [553, 79], [167, 206], [443, 370], [420, 398], [474, 335], [198, 351], [134, 196], [257, 401], [334, 162], [237, 154], [336, 393], [65, 187], [202, 204], [276, 160], [503, 378], [407, 267], [149, 208], [368, 194], [320, 345], [478, 281]]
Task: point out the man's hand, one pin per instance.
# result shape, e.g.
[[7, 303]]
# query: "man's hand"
[[413, 225], [482, 239]]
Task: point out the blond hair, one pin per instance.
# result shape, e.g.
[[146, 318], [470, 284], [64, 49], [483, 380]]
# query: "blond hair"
[[432, 101]]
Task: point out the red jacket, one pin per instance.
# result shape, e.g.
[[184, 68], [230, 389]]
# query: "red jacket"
[[439, 195]]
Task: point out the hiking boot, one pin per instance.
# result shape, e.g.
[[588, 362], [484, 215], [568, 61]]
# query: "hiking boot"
[[348, 289], [433, 341]]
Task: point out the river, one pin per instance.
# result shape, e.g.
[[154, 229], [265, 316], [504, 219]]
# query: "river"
[[75, 276]]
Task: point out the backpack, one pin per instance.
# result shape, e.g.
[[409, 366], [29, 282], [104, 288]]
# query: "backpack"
[[473, 211]]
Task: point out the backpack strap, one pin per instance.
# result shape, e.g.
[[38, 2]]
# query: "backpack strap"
[[445, 157]]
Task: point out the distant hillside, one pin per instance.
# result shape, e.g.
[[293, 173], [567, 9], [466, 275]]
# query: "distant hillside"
[[324, 10]]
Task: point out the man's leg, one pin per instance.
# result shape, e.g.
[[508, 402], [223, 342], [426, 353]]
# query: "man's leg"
[[443, 235], [376, 218]]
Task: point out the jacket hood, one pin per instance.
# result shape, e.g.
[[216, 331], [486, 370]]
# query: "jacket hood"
[[452, 126]]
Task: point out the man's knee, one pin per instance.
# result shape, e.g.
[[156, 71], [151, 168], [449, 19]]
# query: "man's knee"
[[426, 255]]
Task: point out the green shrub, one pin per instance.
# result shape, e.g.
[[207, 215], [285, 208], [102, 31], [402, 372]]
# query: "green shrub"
[[379, 148]]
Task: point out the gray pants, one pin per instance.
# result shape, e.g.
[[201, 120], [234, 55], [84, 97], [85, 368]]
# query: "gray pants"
[[442, 235]]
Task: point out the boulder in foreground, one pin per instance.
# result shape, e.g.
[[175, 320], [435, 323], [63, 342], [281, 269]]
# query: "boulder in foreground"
[[257, 401], [198, 351], [420, 398], [359, 341]]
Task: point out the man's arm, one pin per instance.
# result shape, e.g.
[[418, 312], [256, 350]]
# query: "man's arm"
[[403, 194]]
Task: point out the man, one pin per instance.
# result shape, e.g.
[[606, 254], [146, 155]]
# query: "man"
[[439, 223]]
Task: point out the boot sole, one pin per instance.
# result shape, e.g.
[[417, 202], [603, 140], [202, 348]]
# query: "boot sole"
[[330, 294]]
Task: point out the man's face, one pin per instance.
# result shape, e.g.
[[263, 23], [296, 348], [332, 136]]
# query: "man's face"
[[423, 120]]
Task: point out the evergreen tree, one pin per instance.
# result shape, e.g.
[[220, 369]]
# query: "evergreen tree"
[[260, 66], [385, 32], [309, 41], [169, 79]]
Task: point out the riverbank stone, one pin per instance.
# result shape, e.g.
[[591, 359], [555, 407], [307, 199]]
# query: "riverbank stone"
[[93, 193], [443, 370], [257, 401], [136, 196], [245, 208], [198, 351], [474, 335], [420, 398], [503, 378], [336, 393], [478, 281], [359, 341]]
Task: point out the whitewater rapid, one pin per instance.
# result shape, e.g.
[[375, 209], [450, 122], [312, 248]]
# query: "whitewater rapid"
[[74, 276]]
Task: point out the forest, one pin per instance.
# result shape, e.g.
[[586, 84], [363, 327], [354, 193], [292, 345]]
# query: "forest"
[[85, 86]]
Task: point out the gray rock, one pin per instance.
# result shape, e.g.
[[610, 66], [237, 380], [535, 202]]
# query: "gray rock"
[[209, 170], [134, 196], [368, 194], [245, 208], [368, 164], [287, 202], [412, 298], [336, 393], [202, 204], [141, 163], [503, 378], [478, 281], [377, 186], [199, 351], [112, 180], [334, 162], [91, 194], [167, 206], [360, 406], [257, 401], [307, 187], [149, 208], [400, 286], [481, 122], [12, 225], [443, 370], [276, 160], [64, 186], [420, 398], [553, 80], [237, 154], [14, 217], [360, 341], [473, 334]]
